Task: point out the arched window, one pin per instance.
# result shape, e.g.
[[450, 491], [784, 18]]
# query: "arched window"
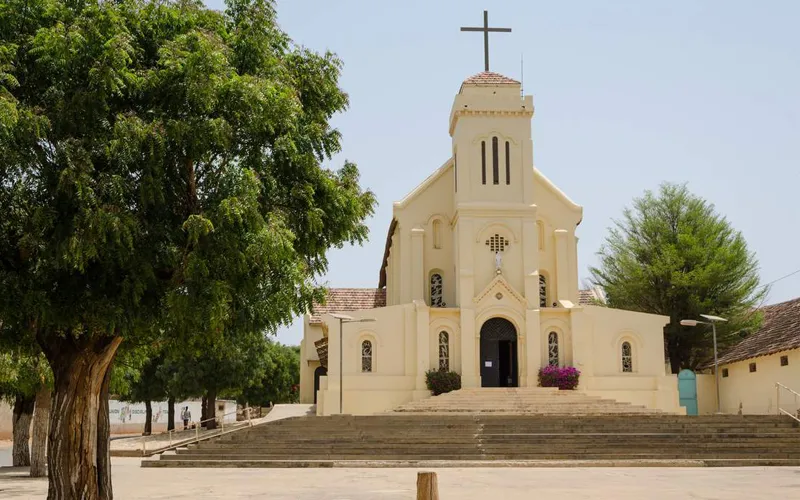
[[437, 233], [508, 163], [444, 351], [495, 162], [542, 291], [437, 295], [483, 162], [627, 357], [552, 349], [366, 356]]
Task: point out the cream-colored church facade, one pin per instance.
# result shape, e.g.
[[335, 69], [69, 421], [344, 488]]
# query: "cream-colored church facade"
[[480, 276]]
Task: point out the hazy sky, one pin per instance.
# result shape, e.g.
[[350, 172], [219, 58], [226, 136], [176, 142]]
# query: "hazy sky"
[[627, 93]]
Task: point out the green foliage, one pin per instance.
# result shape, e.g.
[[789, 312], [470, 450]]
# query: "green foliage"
[[672, 254], [280, 380], [23, 368], [441, 381], [162, 170], [162, 181]]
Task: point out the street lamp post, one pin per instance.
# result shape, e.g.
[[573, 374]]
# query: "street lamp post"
[[343, 318], [712, 320]]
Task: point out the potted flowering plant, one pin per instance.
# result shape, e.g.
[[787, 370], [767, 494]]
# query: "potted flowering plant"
[[562, 377]]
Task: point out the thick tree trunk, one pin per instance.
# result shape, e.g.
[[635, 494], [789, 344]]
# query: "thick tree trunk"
[[41, 423], [77, 449], [104, 442], [148, 418], [21, 430], [211, 408], [171, 414]]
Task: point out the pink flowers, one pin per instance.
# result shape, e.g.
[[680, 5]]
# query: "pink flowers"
[[555, 376]]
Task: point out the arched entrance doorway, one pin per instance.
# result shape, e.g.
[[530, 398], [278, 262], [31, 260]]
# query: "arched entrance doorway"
[[321, 371], [499, 354]]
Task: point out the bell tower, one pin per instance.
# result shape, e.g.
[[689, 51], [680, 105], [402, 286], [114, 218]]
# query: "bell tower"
[[490, 126]]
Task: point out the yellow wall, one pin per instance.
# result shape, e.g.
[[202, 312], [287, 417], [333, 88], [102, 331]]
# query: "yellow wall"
[[539, 223], [706, 394], [756, 391]]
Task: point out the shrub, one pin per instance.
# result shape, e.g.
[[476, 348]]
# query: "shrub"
[[555, 376], [441, 381]]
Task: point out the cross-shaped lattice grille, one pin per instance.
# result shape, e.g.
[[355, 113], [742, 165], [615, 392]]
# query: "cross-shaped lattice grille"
[[497, 243]]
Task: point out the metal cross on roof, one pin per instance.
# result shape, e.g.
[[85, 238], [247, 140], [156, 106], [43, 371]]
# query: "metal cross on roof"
[[486, 29]]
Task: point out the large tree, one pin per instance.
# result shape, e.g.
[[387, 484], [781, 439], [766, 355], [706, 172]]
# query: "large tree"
[[280, 379], [671, 253], [224, 366], [161, 170]]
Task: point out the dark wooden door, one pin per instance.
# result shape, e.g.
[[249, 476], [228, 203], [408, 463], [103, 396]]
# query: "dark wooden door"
[[498, 356], [490, 363]]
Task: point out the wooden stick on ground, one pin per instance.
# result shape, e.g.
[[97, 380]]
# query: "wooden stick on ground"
[[427, 486]]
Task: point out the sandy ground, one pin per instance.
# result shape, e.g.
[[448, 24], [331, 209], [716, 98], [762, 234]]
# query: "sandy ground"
[[133, 482]]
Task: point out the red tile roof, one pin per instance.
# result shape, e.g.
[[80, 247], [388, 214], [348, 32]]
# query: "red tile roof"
[[779, 332], [586, 297], [342, 300], [490, 78]]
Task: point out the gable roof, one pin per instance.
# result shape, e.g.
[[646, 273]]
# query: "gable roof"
[[342, 300], [779, 332], [490, 78]]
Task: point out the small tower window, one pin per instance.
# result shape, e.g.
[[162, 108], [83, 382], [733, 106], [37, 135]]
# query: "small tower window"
[[508, 163], [552, 349], [542, 291], [437, 295], [724, 373], [784, 360], [444, 351], [752, 367], [366, 356], [495, 162], [497, 243], [483, 162], [627, 357]]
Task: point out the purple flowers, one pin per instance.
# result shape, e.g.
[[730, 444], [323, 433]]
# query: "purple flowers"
[[555, 376]]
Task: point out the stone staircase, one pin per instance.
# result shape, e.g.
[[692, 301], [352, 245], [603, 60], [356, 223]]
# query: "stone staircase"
[[501, 428], [521, 401]]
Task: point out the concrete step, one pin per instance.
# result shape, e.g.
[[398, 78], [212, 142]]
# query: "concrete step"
[[445, 438], [450, 463]]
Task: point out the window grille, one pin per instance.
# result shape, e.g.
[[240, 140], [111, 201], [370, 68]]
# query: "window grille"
[[627, 357], [366, 356], [552, 349], [444, 351], [497, 243]]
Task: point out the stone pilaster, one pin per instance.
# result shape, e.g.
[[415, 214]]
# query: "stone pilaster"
[[469, 357], [423, 351], [417, 271], [533, 347], [562, 265]]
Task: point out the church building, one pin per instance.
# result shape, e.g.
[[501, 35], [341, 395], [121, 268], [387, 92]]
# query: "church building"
[[480, 276]]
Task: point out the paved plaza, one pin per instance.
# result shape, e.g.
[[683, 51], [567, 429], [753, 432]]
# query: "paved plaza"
[[133, 482]]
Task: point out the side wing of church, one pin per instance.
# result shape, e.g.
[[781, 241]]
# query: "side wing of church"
[[480, 276]]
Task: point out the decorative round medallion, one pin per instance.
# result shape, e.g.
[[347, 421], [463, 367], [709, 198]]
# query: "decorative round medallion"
[[498, 295]]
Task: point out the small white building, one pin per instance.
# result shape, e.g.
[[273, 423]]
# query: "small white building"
[[750, 370]]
